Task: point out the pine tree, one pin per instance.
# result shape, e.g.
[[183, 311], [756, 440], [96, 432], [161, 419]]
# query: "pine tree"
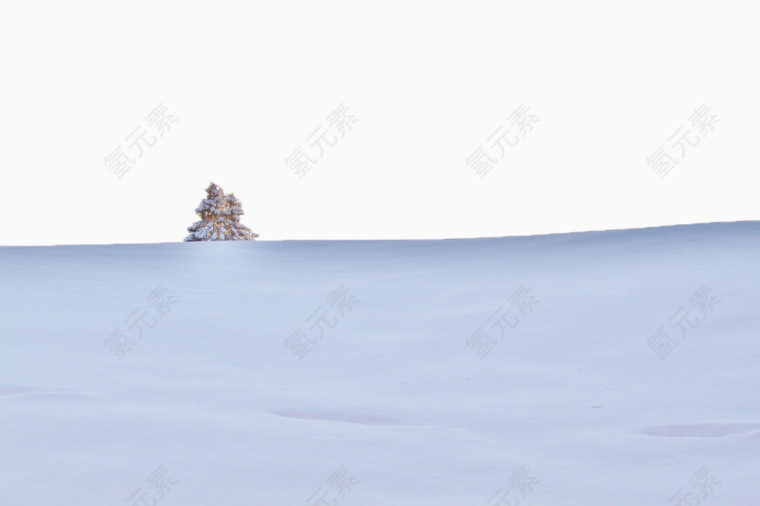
[[236, 230], [220, 218]]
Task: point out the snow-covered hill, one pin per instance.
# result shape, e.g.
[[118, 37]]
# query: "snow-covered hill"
[[609, 368]]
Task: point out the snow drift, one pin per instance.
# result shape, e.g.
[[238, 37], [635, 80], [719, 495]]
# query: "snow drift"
[[615, 367]]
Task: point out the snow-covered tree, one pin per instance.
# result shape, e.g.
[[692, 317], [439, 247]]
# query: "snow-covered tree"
[[236, 231], [220, 218]]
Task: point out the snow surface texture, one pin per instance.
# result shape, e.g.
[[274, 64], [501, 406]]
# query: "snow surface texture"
[[601, 368]]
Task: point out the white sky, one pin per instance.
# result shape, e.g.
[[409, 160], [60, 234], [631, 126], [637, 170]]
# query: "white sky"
[[428, 82]]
